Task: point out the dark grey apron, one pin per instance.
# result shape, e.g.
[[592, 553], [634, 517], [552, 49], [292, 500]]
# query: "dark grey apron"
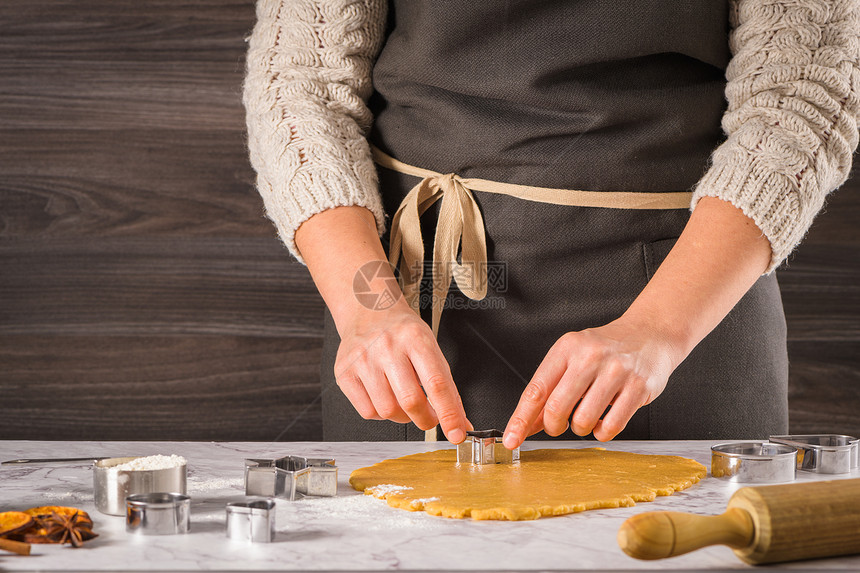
[[597, 96]]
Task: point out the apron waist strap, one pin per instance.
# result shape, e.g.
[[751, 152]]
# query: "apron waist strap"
[[461, 227]]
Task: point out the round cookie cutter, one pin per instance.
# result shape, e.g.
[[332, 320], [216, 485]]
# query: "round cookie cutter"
[[112, 486], [754, 462], [158, 513]]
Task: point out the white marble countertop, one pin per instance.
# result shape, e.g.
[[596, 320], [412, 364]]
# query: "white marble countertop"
[[350, 532]]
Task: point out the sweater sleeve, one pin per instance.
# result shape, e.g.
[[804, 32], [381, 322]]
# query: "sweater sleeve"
[[793, 107], [307, 82]]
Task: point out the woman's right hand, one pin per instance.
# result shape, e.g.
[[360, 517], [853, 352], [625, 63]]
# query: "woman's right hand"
[[388, 364], [390, 367]]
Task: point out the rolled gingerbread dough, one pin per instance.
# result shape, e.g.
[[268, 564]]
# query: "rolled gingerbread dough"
[[545, 482]]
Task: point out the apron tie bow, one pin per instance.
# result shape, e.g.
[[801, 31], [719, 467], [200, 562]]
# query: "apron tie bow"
[[460, 229]]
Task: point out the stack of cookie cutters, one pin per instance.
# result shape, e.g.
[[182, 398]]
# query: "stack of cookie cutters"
[[483, 447], [778, 459], [291, 477]]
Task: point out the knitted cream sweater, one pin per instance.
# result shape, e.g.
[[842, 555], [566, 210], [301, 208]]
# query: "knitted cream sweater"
[[793, 108]]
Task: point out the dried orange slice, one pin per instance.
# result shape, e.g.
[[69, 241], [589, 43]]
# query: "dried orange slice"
[[13, 521]]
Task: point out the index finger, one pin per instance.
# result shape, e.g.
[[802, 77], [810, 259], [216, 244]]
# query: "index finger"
[[435, 377], [532, 401], [409, 395]]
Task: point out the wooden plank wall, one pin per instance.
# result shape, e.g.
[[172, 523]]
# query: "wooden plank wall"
[[143, 294]]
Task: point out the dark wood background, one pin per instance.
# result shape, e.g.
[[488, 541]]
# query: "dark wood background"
[[143, 294]]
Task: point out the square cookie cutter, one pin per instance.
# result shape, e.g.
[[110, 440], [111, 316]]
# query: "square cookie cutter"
[[823, 453], [291, 477], [484, 447], [252, 521]]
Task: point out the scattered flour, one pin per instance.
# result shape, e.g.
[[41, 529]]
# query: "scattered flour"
[[195, 484], [420, 503], [385, 489], [157, 462], [68, 495], [345, 513]]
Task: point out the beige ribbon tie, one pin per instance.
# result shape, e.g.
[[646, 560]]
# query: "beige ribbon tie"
[[461, 227]]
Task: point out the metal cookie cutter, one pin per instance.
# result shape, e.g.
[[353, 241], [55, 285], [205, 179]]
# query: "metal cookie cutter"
[[823, 453], [754, 462], [291, 477], [482, 447], [251, 521], [111, 486], [158, 513]]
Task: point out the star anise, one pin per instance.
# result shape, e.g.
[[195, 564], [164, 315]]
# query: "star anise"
[[61, 528]]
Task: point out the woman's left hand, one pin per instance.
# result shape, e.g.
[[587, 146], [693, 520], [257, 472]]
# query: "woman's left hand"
[[626, 363], [622, 365]]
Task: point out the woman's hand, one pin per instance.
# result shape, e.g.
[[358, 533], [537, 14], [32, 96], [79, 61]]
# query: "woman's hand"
[[384, 360], [388, 364], [627, 363], [620, 364]]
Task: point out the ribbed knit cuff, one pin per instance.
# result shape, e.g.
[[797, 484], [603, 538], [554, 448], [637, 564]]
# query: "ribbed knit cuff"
[[776, 202], [314, 189]]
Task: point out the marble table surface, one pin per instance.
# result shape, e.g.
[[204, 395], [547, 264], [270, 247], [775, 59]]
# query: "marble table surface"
[[350, 532]]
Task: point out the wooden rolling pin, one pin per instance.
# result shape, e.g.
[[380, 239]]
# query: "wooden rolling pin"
[[767, 524]]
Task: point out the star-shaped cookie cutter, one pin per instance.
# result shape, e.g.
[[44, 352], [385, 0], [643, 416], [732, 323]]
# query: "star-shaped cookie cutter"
[[483, 447], [291, 477]]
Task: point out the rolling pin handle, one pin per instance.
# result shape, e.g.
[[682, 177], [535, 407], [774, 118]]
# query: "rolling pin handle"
[[661, 534]]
